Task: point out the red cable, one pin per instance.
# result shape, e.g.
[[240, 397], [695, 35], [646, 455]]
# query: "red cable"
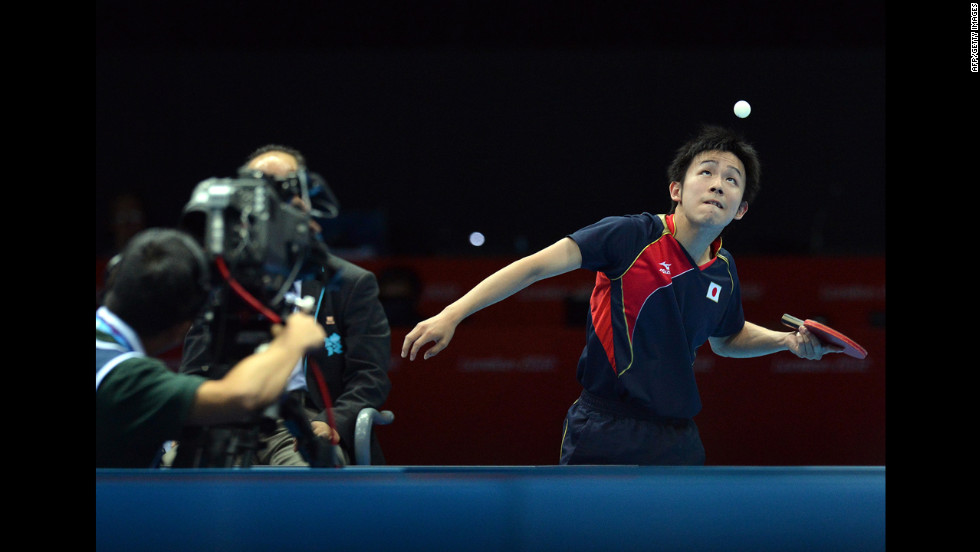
[[328, 404], [276, 319], [244, 294]]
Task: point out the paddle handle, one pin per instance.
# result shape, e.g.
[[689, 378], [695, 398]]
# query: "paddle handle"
[[792, 321]]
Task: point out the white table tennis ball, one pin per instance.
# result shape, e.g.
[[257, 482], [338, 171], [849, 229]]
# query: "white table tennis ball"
[[742, 109]]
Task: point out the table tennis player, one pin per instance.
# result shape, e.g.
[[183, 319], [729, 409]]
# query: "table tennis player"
[[664, 286]]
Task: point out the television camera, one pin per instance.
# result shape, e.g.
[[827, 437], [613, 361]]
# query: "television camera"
[[258, 241]]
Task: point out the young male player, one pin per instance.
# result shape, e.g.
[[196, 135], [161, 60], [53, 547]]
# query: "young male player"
[[664, 286]]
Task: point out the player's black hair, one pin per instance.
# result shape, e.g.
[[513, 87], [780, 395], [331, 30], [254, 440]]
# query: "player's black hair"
[[716, 138]]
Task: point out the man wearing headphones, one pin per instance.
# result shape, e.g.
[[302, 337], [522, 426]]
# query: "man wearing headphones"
[[351, 364], [153, 294]]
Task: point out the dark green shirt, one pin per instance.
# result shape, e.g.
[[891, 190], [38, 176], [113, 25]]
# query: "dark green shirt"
[[140, 405]]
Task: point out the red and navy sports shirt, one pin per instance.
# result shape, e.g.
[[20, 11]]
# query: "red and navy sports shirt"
[[651, 308]]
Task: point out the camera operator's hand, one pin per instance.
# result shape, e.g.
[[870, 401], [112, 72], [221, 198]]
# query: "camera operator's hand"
[[301, 205], [321, 429], [301, 331]]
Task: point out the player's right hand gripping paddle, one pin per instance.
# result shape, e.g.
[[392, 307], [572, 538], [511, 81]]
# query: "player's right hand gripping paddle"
[[828, 334]]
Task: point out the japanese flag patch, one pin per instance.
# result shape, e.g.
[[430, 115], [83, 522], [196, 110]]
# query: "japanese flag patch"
[[714, 291]]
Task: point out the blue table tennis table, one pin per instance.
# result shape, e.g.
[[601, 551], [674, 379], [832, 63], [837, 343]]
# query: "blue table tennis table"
[[492, 508]]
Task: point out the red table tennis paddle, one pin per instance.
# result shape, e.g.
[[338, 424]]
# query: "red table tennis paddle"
[[828, 334]]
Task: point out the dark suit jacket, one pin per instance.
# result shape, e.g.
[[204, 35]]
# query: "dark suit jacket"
[[357, 355], [355, 358]]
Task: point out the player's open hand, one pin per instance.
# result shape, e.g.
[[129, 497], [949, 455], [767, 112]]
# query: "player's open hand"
[[438, 330], [804, 344]]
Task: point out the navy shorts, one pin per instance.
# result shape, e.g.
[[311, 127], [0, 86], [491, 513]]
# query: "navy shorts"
[[600, 431]]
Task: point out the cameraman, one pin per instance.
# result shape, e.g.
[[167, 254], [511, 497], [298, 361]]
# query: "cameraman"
[[153, 294], [354, 359]]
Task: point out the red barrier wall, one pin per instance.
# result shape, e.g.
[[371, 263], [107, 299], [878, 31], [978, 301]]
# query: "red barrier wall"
[[498, 395]]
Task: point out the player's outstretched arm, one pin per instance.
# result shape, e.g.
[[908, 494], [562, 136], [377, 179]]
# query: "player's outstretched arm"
[[755, 341], [558, 258]]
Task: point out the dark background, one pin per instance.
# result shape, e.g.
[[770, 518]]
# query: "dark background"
[[525, 122]]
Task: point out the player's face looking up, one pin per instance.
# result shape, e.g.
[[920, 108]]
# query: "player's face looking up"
[[711, 194]]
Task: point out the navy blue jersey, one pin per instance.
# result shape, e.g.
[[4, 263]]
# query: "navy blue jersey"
[[650, 310]]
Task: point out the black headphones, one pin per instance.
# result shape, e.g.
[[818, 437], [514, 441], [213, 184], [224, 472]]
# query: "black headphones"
[[308, 185], [325, 204]]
